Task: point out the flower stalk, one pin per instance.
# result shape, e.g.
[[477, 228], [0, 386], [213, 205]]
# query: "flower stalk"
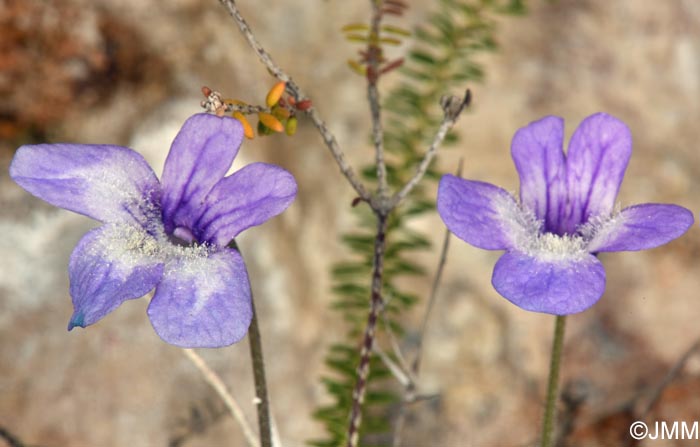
[[262, 401], [549, 419], [217, 384]]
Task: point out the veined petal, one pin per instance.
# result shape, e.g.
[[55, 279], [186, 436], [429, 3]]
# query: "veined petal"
[[248, 197], [558, 287], [200, 155], [479, 213], [641, 227], [203, 301], [111, 264], [108, 183], [598, 155], [537, 151]]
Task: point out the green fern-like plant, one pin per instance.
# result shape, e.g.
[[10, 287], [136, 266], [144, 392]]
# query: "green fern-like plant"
[[441, 59]]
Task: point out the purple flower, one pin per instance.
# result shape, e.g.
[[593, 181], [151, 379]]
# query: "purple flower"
[[565, 217], [171, 235]]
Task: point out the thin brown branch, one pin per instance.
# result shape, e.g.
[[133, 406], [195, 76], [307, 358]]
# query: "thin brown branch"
[[670, 377], [410, 388], [374, 52], [327, 136], [415, 366], [358, 395], [452, 107], [215, 381]]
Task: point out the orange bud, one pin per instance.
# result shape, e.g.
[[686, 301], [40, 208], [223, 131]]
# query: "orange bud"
[[247, 128], [292, 102], [291, 127], [304, 105], [275, 93], [270, 122], [206, 91]]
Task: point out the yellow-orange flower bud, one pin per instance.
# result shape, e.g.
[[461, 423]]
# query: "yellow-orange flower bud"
[[270, 121], [247, 128], [275, 93]]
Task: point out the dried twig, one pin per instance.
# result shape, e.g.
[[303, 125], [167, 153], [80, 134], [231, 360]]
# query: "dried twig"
[[452, 107], [670, 377], [415, 366], [381, 205], [215, 381], [293, 88], [410, 388]]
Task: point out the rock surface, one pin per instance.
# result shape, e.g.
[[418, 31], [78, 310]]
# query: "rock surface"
[[117, 384]]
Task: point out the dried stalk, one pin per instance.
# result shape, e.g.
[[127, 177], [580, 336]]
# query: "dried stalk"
[[215, 381], [293, 88], [358, 395]]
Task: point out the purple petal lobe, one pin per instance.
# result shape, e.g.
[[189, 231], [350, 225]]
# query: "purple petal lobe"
[[203, 301], [477, 212], [247, 198], [199, 157], [641, 227], [108, 183], [598, 155], [539, 158], [110, 264], [558, 287]]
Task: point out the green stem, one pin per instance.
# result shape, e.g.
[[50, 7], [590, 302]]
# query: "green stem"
[[263, 404], [552, 391]]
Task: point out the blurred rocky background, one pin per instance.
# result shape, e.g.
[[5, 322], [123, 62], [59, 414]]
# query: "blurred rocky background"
[[130, 72]]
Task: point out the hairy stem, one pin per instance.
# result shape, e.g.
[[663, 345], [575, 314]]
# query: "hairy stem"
[[358, 395], [549, 419], [215, 381], [262, 401]]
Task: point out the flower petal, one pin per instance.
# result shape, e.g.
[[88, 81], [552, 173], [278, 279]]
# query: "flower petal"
[[598, 155], [200, 155], [108, 183], [537, 151], [247, 198], [641, 227], [558, 287], [109, 265], [477, 212], [203, 301]]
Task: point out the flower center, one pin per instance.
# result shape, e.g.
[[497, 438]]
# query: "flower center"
[[553, 247], [529, 237], [182, 236]]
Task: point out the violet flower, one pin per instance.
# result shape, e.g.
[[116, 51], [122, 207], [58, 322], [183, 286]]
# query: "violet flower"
[[565, 216], [171, 235]]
